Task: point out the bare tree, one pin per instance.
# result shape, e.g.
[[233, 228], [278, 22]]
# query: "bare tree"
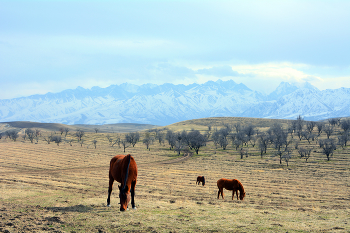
[[328, 147], [216, 138], [171, 138], [159, 137], [197, 140], [319, 126], [328, 130], [243, 153], [179, 146], [110, 139], [96, 130], [56, 139], [344, 138], [345, 125], [310, 126], [263, 142], [304, 153], [61, 130], [125, 144], [66, 130], [308, 136], [299, 123], [287, 155], [79, 134], [148, 140], [30, 133], [334, 121], [48, 139], [69, 141], [209, 127], [237, 127], [12, 134], [132, 138], [249, 131], [223, 141], [94, 142]]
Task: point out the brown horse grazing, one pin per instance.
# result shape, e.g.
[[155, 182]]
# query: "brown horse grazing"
[[200, 179], [123, 169], [233, 185]]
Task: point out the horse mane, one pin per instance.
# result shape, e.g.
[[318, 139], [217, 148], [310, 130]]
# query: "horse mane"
[[242, 192], [127, 173]]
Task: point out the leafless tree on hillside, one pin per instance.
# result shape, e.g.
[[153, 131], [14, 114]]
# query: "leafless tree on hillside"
[[79, 134], [66, 130], [320, 126], [344, 138], [61, 130], [328, 130], [345, 125], [304, 153], [310, 126], [197, 140], [56, 139], [328, 147], [132, 138], [12, 134], [125, 144], [30, 133]]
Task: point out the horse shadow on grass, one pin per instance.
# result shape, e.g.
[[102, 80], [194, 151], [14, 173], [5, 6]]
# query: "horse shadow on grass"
[[75, 208]]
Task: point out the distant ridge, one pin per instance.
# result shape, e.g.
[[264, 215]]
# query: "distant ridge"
[[168, 103], [110, 128]]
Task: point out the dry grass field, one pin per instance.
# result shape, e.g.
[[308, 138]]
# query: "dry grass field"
[[63, 188]]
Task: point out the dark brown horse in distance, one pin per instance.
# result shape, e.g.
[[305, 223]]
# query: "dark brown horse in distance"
[[123, 169], [233, 185], [200, 179]]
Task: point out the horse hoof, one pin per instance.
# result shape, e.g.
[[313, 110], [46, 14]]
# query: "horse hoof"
[[134, 208], [108, 205]]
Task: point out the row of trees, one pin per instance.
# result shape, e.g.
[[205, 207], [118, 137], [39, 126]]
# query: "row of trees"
[[283, 140]]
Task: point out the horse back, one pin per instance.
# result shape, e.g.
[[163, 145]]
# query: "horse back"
[[229, 184], [118, 166]]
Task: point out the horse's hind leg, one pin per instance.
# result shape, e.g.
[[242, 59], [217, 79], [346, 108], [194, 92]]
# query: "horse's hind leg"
[[133, 184], [111, 180]]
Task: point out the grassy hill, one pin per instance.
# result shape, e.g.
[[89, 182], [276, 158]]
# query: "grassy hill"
[[63, 187]]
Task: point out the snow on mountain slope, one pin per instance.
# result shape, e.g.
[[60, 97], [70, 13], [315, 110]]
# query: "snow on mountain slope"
[[169, 103]]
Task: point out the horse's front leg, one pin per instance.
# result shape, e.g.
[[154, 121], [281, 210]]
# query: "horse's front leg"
[[237, 193], [111, 180], [133, 184]]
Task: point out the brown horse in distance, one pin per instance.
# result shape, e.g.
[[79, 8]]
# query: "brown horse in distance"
[[233, 185], [200, 179], [123, 169]]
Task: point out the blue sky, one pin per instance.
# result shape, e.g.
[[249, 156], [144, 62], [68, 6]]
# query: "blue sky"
[[50, 46]]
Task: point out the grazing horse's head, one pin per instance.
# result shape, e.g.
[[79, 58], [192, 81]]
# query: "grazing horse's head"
[[124, 198], [241, 195]]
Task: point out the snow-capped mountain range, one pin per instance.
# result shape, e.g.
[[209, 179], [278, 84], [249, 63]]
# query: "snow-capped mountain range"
[[169, 103]]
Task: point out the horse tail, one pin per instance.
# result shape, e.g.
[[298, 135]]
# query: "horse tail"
[[127, 172]]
